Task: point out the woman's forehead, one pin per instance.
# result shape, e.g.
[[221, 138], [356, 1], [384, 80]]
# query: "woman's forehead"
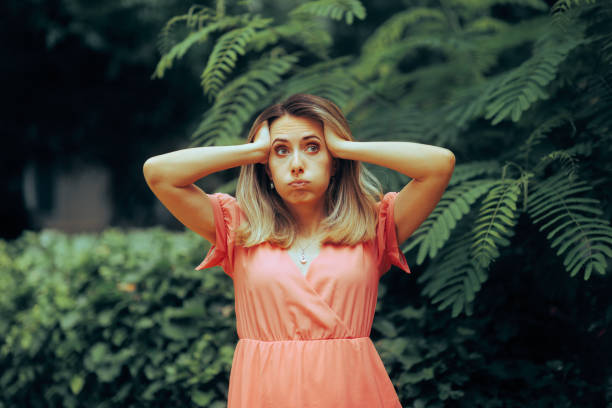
[[289, 126]]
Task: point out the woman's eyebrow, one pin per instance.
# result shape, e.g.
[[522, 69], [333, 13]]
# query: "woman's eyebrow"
[[280, 139]]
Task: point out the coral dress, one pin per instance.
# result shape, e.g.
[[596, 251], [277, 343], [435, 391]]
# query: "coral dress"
[[304, 339]]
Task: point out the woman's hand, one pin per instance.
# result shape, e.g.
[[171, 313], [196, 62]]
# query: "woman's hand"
[[333, 141], [262, 141]]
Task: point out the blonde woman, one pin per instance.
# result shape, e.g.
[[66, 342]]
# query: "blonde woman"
[[305, 240]]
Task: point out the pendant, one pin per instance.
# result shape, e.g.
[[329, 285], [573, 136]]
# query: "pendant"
[[302, 259]]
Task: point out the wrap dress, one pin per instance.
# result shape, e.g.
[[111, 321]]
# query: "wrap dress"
[[304, 339]]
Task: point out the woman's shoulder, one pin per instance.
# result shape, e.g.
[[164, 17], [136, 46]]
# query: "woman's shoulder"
[[229, 205], [386, 199]]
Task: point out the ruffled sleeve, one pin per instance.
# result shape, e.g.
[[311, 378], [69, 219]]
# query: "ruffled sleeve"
[[227, 218], [389, 252]]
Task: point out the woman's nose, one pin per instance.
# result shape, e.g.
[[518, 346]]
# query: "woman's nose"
[[297, 165]]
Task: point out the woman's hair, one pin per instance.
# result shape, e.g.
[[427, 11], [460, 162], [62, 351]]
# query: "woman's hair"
[[350, 200]]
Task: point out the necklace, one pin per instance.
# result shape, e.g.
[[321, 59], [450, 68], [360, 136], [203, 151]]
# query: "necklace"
[[302, 257]]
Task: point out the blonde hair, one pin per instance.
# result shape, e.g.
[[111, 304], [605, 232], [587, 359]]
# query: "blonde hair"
[[350, 200]]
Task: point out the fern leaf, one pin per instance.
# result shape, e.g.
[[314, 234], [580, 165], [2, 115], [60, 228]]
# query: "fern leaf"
[[434, 232], [487, 24], [392, 30], [332, 85], [573, 223], [542, 130], [489, 231], [562, 6], [334, 9], [164, 43], [453, 279], [222, 59], [519, 88], [308, 34], [240, 99], [194, 19], [178, 50], [384, 59]]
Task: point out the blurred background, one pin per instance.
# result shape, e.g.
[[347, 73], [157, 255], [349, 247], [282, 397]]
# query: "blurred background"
[[508, 303], [82, 112]]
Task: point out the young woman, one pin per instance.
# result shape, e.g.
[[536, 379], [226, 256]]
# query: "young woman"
[[305, 240]]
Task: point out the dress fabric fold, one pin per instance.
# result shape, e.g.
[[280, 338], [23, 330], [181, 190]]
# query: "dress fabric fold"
[[304, 338]]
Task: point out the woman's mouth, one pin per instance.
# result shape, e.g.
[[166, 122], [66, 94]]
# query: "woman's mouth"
[[298, 184]]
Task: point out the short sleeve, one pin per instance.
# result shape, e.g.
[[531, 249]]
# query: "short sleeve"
[[388, 250], [227, 218]]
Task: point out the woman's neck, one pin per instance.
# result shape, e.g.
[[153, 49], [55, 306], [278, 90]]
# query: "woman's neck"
[[308, 220]]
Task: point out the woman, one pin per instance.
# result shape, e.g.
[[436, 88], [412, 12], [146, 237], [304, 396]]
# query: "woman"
[[305, 241]]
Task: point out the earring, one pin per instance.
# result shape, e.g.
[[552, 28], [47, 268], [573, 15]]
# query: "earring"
[[271, 186]]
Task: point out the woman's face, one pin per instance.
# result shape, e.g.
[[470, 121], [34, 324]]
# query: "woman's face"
[[298, 153]]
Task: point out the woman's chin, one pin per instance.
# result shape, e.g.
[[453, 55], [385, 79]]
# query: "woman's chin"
[[301, 198]]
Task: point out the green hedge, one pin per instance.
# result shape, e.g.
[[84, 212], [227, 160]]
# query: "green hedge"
[[119, 319], [122, 319]]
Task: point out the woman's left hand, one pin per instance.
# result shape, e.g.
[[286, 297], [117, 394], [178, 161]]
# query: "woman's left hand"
[[333, 141]]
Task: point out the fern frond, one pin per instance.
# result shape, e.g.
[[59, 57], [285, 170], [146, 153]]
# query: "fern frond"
[[486, 24], [306, 33], [334, 9], [584, 238], [224, 122], [542, 130], [568, 162], [201, 35], [475, 169], [164, 43], [222, 59], [519, 88], [562, 6], [385, 59], [466, 104], [434, 232], [453, 278], [327, 79], [382, 122], [332, 85], [194, 19], [495, 222], [392, 30]]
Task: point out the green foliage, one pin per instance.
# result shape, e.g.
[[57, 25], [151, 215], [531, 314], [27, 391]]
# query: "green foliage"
[[434, 232], [335, 9], [495, 221], [555, 204], [201, 35], [225, 53], [120, 318], [239, 100], [454, 75], [438, 362], [518, 89]]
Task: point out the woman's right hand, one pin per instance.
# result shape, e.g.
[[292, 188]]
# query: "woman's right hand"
[[262, 141]]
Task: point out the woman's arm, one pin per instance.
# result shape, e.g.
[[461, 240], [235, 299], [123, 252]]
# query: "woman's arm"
[[171, 176], [430, 168]]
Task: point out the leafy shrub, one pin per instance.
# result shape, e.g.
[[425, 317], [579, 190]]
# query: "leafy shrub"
[[115, 319]]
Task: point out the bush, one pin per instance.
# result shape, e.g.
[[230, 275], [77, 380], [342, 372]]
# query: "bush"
[[119, 319]]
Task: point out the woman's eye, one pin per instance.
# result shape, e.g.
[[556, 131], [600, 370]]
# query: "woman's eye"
[[313, 147], [281, 150]]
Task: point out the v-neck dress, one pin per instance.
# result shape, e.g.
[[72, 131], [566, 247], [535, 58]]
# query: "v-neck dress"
[[304, 339]]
